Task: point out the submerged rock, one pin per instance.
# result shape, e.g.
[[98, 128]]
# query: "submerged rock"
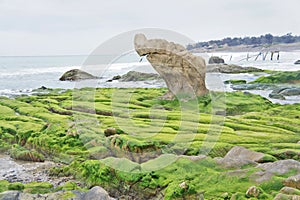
[[280, 93], [215, 60], [139, 76], [291, 92], [235, 82], [183, 72], [276, 96], [233, 69], [254, 86], [76, 75]]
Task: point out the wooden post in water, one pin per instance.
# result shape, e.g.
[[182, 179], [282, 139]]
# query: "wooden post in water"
[[265, 55], [272, 53], [257, 56]]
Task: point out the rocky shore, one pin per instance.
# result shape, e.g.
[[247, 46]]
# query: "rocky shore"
[[258, 145]]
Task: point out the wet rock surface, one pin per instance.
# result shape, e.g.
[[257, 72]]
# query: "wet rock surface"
[[96, 193], [25, 172], [297, 62]]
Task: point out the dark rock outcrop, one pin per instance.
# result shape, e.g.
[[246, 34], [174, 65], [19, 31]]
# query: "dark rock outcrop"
[[216, 60], [297, 62], [76, 75], [183, 72], [280, 93]]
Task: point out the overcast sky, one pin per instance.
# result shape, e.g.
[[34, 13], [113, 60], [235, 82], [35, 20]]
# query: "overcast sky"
[[72, 27]]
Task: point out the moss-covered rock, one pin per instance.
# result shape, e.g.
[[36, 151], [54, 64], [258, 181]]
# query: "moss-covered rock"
[[20, 153], [280, 77]]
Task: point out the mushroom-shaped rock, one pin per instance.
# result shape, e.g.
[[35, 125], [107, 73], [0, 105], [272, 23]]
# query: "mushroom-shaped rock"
[[183, 72]]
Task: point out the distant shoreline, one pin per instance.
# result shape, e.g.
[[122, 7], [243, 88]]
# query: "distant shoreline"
[[250, 48]]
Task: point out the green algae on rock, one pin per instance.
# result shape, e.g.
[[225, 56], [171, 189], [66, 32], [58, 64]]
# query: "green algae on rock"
[[280, 77], [46, 123]]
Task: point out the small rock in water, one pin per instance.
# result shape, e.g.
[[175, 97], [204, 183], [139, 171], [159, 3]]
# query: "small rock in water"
[[276, 96], [297, 62]]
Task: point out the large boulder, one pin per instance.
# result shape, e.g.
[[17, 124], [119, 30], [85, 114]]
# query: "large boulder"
[[297, 62], [9, 195], [96, 193], [183, 72], [76, 75], [240, 156], [215, 60], [280, 167]]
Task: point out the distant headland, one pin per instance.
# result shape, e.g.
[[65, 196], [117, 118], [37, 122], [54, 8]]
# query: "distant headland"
[[286, 42]]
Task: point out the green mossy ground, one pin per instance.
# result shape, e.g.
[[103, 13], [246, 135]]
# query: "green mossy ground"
[[69, 126], [280, 77]]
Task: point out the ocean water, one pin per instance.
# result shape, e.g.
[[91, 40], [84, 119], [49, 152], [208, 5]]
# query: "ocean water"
[[20, 75]]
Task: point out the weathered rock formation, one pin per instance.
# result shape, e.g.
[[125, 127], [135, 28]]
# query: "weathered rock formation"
[[76, 75], [183, 72]]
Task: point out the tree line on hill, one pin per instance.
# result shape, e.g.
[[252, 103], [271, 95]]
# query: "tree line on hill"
[[267, 39]]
